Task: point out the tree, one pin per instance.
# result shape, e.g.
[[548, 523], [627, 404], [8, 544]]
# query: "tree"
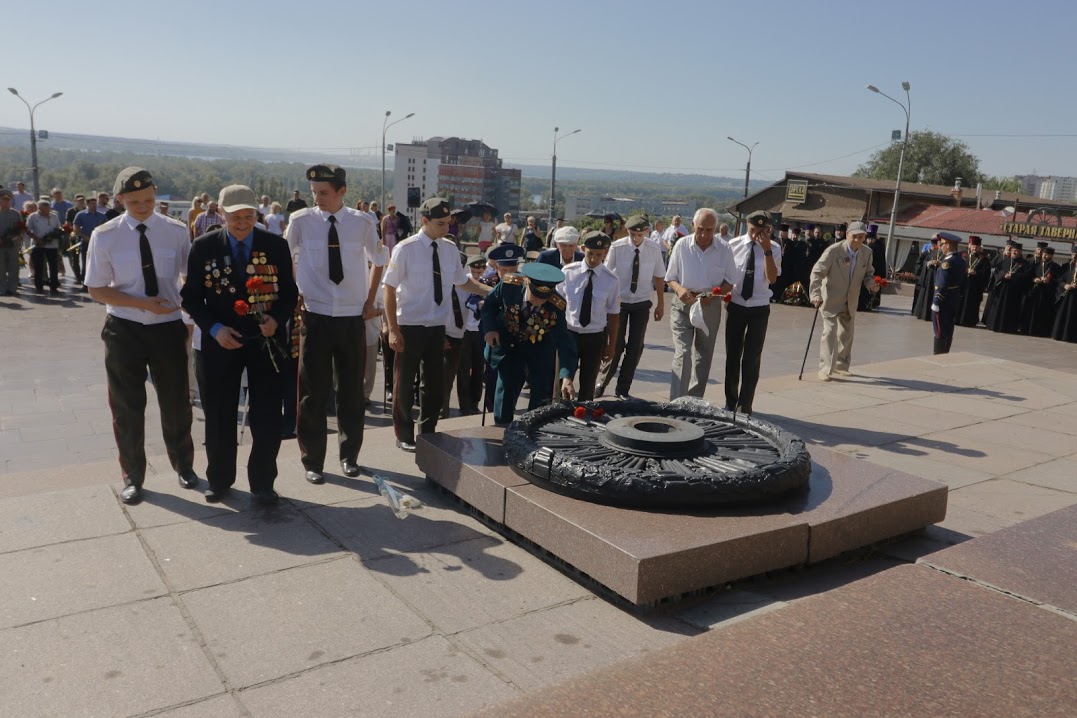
[[930, 158], [1006, 184]]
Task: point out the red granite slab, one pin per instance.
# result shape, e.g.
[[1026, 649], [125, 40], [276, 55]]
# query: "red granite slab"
[[906, 642], [471, 464], [1036, 559]]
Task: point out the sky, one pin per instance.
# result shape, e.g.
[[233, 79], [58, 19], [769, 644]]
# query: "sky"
[[652, 86]]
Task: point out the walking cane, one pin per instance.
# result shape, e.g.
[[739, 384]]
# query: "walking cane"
[[813, 321], [485, 370]]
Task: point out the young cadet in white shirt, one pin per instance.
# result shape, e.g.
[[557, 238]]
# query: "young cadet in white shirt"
[[593, 312], [333, 245], [470, 369], [418, 285], [698, 264], [638, 264], [133, 267], [758, 264]]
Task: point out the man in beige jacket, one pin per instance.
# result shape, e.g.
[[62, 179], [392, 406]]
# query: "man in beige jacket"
[[835, 289]]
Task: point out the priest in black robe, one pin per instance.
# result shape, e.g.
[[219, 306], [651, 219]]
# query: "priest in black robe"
[[979, 274], [926, 266], [1065, 326], [1010, 280], [1038, 309]]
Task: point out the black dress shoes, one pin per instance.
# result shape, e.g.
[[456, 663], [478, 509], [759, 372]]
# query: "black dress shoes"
[[131, 494], [315, 477], [349, 467], [267, 498], [215, 495], [188, 479], [408, 446]]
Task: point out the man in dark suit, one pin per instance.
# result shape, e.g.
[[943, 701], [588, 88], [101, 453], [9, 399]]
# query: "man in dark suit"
[[566, 241], [241, 293]]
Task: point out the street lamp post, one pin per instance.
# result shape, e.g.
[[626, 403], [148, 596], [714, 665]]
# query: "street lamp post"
[[385, 125], [553, 172], [33, 136], [747, 174], [891, 250]]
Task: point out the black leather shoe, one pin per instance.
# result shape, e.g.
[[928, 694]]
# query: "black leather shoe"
[[350, 468], [188, 479], [267, 498], [215, 495], [315, 477], [131, 494], [408, 446]]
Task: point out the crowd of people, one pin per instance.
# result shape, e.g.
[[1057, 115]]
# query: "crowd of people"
[[295, 303]]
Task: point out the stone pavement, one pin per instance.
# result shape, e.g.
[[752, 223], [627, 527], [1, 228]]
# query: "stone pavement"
[[329, 605]]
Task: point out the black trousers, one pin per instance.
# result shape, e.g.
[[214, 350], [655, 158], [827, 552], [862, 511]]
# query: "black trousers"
[[130, 350], [589, 350], [222, 372], [943, 323], [452, 365], [333, 351], [423, 356], [634, 320], [745, 332], [40, 257], [469, 372]]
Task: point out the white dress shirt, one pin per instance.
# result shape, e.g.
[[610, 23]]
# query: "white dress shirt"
[[742, 250], [411, 273], [275, 223], [114, 260], [471, 322], [41, 225], [620, 258], [507, 233], [451, 330], [308, 240], [700, 270], [605, 296]]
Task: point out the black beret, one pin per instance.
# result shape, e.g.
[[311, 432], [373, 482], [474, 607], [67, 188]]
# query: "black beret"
[[759, 218], [326, 173], [132, 179], [436, 208], [596, 240], [637, 223]]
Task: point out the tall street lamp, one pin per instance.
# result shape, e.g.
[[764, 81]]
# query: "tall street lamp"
[[891, 250], [747, 171], [33, 135], [385, 125], [553, 171]]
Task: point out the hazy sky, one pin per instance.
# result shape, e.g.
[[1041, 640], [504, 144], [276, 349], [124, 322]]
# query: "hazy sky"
[[653, 86]]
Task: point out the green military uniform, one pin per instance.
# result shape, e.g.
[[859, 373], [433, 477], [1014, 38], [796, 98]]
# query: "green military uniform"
[[531, 338]]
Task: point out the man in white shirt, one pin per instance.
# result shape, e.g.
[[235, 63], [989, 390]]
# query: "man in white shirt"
[[418, 286], [638, 264], [507, 232], [43, 226], [20, 196], [758, 264], [723, 233], [700, 270], [593, 309], [334, 245], [134, 267], [264, 208]]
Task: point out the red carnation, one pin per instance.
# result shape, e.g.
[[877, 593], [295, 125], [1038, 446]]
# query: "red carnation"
[[255, 283], [727, 298], [716, 291], [241, 307], [598, 412], [580, 412]]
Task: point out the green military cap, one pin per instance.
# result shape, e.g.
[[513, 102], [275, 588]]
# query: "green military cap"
[[759, 218], [596, 240], [132, 179], [436, 208], [479, 260], [543, 278], [326, 173], [638, 223]]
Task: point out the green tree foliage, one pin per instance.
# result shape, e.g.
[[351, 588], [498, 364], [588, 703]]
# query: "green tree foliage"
[[931, 158], [1006, 184]]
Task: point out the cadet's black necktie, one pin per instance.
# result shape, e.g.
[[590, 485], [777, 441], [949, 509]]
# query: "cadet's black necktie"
[[336, 264], [437, 273], [635, 272], [588, 296], [458, 315], [749, 276], [149, 273]]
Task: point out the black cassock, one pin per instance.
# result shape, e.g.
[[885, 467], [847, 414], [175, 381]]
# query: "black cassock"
[[1003, 310], [1038, 309], [979, 274], [1065, 326], [927, 265]]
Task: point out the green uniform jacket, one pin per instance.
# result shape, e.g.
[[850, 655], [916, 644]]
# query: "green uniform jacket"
[[497, 311]]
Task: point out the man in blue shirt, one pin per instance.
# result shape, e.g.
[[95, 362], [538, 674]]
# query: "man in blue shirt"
[[85, 223]]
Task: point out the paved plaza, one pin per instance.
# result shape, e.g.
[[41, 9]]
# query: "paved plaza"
[[329, 605]]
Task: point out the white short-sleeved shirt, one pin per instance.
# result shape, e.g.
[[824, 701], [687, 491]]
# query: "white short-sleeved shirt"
[[486, 231], [115, 260], [42, 225], [451, 330], [700, 270], [741, 247], [620, 259], [507, 233], [411, 274], [308, 240], [471, 322], [605, 296], [275, 223]]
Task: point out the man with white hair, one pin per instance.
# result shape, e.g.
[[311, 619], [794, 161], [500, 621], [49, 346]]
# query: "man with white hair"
[[566, 248], [700, 270]]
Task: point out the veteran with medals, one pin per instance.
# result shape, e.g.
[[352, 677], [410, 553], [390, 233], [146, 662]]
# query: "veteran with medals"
[[526, 333], [950, 280], [241, 293]]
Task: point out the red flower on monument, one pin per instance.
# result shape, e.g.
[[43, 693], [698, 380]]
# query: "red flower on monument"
[[580, 412], [598, 412]]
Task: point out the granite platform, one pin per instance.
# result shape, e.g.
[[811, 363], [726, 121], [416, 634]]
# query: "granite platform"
[[648, 556]]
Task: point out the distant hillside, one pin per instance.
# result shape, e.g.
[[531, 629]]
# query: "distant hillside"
[[672, 179]]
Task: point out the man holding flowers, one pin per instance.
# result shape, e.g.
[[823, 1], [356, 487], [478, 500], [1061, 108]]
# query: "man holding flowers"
[[241, 293]]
